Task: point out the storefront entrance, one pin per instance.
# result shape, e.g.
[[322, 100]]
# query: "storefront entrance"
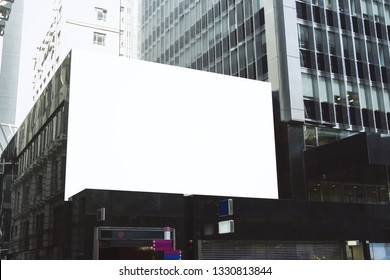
[[129, 243]]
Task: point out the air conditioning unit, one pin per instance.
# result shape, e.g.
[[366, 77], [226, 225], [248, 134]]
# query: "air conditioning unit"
[[2, 27], [5, 11]]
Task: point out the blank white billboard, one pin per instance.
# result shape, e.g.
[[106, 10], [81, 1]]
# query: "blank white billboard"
[[142, 126]]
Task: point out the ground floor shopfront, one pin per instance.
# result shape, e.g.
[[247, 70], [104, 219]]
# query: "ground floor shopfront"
[[103, 224], [125, 225]]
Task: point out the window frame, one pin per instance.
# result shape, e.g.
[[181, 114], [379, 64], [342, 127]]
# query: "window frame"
[[99, 38], [101, 14]]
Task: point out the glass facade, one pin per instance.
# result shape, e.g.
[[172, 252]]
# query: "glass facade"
[[352, 185], [344, 58], [343, 49], [220, 36], [380, 251]]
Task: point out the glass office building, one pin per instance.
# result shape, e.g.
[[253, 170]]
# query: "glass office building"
[[328, 63], [218, 36], [11, 21]]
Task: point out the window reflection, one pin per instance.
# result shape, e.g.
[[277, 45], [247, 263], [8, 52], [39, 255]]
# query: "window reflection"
[[380, 251], [336, 192]]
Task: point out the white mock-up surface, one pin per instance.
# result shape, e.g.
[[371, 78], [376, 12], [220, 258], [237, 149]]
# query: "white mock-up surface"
[[142, 126]]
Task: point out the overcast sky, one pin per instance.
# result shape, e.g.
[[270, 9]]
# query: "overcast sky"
[[37, 19]]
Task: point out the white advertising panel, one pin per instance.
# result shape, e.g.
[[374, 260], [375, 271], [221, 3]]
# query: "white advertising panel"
[[142, 126]]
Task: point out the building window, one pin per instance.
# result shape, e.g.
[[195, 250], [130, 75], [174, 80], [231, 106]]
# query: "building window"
[[308, 85], [310, 111], [316, 14], [330, 18], [306, 58], [99, 39], [301, 10], [303, 34], [101, 14], [328, 4], [332, 43], [320, 40], [321, 61], [355, 24]]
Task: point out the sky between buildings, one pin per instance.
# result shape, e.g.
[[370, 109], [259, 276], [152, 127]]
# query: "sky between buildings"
[[37, 19]]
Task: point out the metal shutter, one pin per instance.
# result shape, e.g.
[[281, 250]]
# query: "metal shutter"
[[268, 250]]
